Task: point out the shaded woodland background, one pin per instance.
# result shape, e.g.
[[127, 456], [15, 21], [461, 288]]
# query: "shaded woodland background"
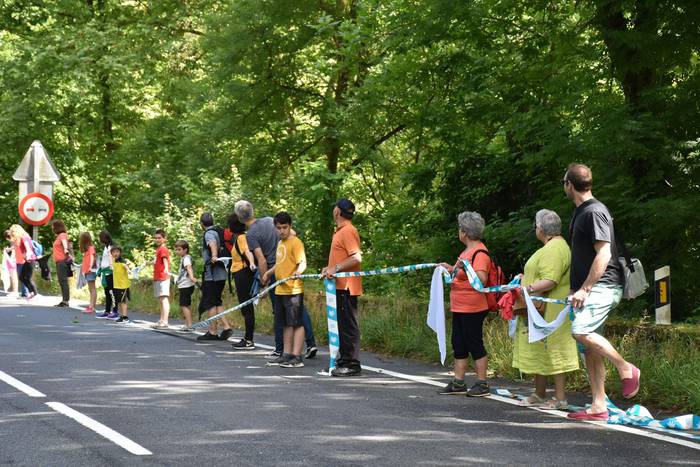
[[155, 110]]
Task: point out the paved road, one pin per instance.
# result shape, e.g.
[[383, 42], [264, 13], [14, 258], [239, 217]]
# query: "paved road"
[[191, 403]]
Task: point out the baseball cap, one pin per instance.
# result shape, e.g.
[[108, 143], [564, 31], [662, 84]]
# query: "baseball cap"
[[345, 206]]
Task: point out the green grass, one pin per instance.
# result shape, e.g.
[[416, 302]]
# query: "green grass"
[[669, 356]]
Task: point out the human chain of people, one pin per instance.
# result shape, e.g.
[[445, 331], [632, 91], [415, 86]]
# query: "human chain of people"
[[556, 308]]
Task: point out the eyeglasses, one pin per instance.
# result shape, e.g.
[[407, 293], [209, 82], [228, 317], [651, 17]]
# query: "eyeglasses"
[[564, 181]]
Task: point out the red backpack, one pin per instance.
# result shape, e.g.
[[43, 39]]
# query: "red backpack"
[[496, 276]]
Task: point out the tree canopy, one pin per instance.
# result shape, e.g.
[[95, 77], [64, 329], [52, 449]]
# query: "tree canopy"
[[416, 110]]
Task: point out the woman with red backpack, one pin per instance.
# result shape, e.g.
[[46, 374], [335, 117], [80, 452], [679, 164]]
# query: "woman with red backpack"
[[469, 307], [25, 258]]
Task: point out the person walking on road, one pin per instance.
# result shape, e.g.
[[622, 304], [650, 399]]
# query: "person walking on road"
[[346, 256], [596, 289], [64, 261]]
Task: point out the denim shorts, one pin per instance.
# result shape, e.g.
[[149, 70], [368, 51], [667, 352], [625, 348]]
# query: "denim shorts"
[[91, 276], [601, 301]]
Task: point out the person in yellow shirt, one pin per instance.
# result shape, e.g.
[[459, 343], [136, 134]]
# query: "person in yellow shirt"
[[289, 305], [122, 282]]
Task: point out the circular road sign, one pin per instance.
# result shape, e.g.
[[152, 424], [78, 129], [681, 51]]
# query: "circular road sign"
[[36, 209]]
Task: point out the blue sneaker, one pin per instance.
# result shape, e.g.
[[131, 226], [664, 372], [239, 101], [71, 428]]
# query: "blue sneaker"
[[113, 316], [102, 315]]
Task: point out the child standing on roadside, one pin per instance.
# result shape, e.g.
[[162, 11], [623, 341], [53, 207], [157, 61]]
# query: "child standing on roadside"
[[89, 268], [161, 278], [185, 280], [122, 282], [289, 305]]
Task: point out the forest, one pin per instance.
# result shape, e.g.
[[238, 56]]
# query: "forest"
[[156, 110]]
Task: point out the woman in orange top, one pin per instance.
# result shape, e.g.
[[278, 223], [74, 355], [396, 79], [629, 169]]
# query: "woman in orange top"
[[62, 257], [469, 308], [89, 268]]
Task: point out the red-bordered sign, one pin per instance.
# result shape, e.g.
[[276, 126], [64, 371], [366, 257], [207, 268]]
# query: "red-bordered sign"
[[36, 209]]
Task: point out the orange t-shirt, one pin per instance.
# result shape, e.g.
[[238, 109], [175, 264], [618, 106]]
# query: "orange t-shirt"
[[59, 254], [463, 297], [346, 242], [88, 260]]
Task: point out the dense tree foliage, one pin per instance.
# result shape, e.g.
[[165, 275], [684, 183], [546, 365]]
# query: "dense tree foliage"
[[155, 110]]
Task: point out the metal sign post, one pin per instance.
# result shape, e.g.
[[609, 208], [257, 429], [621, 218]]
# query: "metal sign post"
[[662, 279], [36, 174]]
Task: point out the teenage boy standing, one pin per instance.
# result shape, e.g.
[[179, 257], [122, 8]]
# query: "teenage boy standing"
[[289, 305]]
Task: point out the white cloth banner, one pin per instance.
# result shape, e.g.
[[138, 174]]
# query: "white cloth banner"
[[436, 310], [537, 327]]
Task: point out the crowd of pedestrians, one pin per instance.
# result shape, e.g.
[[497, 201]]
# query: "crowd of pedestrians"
[[252, 250]]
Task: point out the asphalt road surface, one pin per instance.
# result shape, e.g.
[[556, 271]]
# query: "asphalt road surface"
[[172, 401]]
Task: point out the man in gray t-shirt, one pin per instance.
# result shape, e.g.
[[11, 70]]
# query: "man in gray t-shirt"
[[262, 240], [263, 234], [215, 275]]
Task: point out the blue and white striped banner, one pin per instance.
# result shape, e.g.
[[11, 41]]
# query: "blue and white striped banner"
[[332, 315]]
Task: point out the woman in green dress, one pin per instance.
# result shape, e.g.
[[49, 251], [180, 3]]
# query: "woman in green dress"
[[547, 274]]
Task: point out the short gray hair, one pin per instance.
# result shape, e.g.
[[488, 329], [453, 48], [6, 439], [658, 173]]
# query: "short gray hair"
[[472, 224], [548, 222], [244, 210]]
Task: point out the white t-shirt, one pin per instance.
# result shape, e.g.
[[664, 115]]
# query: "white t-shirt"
[[183, 279], [106, 259]]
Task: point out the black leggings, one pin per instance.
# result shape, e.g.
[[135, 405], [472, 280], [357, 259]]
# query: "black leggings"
[[468, 334], [110, 303], [25, 276], [244, 280]]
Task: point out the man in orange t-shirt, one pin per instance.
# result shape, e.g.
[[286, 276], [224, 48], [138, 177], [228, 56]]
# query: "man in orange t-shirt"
[[345, 256]]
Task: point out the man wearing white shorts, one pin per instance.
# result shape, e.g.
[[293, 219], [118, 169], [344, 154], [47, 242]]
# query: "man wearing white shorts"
[[596, 279]]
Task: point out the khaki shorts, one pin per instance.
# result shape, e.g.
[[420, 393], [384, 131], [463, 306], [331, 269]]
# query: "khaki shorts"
[[161, 288]]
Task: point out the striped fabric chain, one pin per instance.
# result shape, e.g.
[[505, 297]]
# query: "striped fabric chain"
[[207, 322]]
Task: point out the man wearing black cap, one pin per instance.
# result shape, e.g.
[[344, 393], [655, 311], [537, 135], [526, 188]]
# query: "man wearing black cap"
[[345, 256]]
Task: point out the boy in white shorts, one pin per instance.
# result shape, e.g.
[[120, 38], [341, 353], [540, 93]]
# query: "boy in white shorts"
[[161, 277]]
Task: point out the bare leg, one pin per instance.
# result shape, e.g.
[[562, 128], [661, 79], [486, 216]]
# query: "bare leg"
[[460, 368], [288, 339], [298, 340], [93, 294], [560, 386], [164, 309], [212, 326], [187, 313], [601, 346], [481, 366], [123, 309], [596, 375], [541, 386]]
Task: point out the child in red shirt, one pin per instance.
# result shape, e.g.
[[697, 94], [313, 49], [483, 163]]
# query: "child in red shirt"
[[161, 278]]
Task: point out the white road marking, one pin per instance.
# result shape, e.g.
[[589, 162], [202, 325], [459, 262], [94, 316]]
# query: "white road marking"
[[558, 413], [17, 384], [99, 428]]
